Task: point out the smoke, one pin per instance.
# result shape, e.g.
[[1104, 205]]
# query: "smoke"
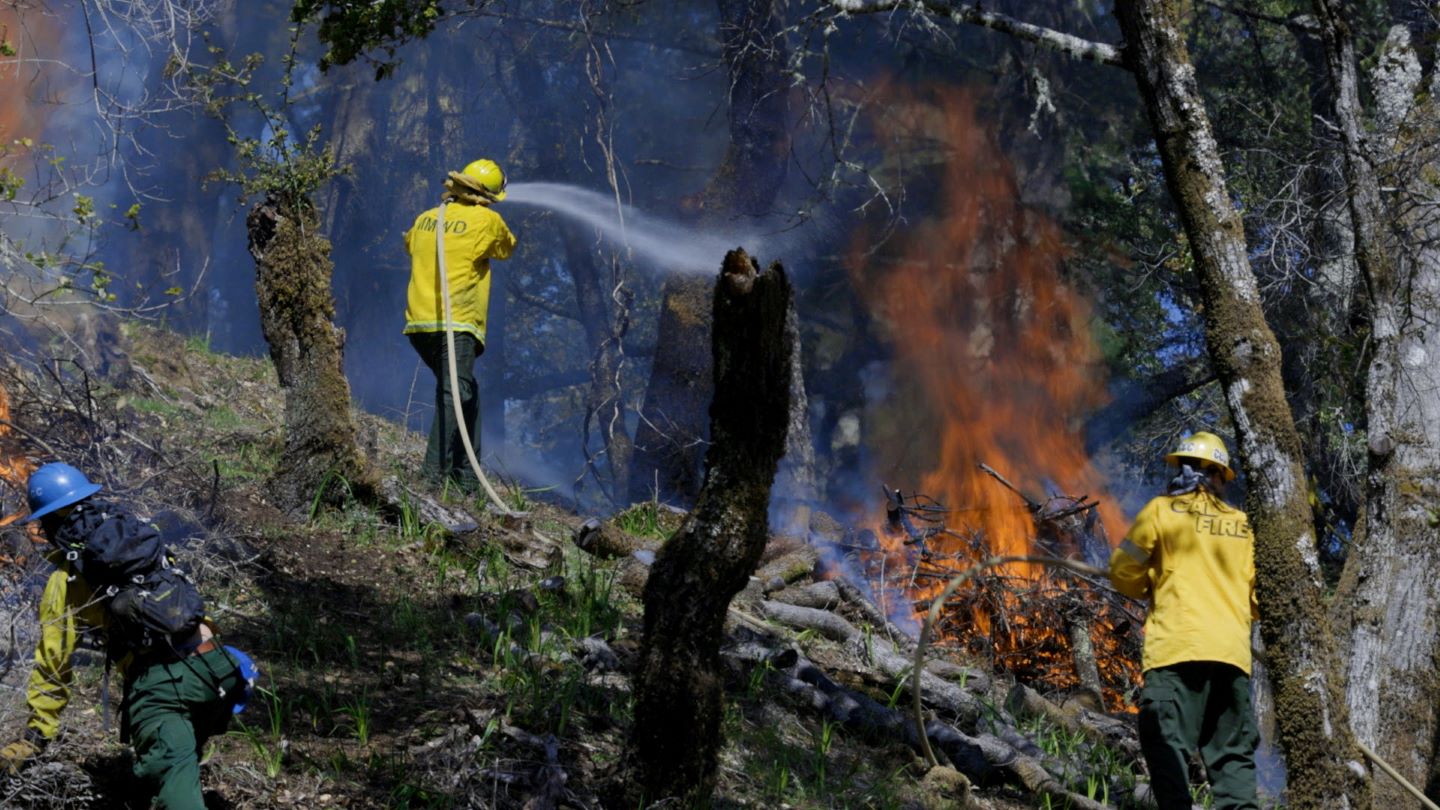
[[661, 243]]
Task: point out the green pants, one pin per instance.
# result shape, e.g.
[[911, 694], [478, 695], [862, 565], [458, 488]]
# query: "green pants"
[[170, 711], [1199, 706], [445, 452]]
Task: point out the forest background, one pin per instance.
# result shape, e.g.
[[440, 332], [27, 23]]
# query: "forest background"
[[999, 247]]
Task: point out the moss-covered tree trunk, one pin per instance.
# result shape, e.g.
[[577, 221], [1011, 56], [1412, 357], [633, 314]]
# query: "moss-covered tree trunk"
[[1310, 711], [1388, 597], [292, 281], [679, 684], [670, 439]]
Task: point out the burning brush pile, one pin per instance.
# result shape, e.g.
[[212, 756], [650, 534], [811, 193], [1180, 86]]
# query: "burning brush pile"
[[1054, 629], [995, 362]]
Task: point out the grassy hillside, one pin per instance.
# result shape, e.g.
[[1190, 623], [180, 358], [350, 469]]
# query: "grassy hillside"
[[403, 666]]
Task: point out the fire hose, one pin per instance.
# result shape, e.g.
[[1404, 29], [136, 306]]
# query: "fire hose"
[[933, 616], [454, 370]]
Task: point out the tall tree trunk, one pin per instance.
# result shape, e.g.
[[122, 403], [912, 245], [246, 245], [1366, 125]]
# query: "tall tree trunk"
[[679, 683], [292, 281], [1388, 589], [1314, 728], [671, 437]]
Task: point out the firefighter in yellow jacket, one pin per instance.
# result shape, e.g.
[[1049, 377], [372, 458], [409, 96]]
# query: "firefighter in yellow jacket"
[[1192, 555], [473, 235]]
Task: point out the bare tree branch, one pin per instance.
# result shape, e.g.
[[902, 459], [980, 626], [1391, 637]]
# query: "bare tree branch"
[[1297, 23], [1070, 44]]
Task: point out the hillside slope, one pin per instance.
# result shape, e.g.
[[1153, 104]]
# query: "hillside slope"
[[405, 666]]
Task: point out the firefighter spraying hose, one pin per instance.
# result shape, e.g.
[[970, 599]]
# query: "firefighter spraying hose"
[[446, 311], [454, 369]]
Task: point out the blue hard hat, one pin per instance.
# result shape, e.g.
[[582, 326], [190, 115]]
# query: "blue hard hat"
[[249, 672], [56, 486]]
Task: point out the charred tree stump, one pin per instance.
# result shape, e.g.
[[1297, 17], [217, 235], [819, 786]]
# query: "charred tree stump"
[[679, 682], [292, 281]]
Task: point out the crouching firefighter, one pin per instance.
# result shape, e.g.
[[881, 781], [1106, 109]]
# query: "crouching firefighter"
[[113, 574]]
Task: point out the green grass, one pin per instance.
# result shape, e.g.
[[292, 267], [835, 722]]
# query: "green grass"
[[646, 520], [158, 407]]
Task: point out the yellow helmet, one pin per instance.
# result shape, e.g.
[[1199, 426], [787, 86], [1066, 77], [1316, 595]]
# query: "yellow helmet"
[[1207, 448], [488, 174]]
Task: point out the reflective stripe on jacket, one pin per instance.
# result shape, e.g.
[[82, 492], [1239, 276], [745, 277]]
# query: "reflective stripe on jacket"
[[474, 235], [1193, 556]]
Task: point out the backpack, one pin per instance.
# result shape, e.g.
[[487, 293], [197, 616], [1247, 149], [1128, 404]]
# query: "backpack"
[[150, 601]]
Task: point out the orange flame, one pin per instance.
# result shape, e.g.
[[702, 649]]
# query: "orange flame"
[[991, 334], [25, 33], [15, 468], [996, 363]]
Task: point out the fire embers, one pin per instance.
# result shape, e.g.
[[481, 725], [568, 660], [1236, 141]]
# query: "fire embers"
[[1051, 629]]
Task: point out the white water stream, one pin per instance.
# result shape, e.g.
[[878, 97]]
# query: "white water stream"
[[669, 245]]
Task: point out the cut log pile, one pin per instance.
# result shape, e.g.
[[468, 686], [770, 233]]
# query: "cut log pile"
[[826, 643]]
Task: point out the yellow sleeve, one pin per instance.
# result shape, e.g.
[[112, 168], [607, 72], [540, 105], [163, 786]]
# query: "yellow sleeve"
[[49, 689], [1130, 561], [502, 241]]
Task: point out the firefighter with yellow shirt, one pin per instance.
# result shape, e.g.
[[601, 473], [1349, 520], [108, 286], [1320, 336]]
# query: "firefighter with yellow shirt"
[[473, 234], [1192, 555]]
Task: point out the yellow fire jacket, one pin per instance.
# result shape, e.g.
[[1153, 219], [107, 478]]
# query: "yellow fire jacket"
[[474, 235], [1193, 556], [67, 606]]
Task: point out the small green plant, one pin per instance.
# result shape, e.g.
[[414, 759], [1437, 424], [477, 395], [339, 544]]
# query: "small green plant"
[[642, 520], [269, 744], [823, 742], [194, 344], [332, 479], [358, 710]]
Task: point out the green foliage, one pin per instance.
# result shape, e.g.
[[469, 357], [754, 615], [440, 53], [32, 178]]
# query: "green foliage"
[[351, 28], [284, 167], [646, 520], [267, 742]]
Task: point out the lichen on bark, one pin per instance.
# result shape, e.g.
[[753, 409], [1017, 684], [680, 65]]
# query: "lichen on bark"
[[292, 282]]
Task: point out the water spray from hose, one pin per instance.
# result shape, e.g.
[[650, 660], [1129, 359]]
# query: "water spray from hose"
[[667, 244]]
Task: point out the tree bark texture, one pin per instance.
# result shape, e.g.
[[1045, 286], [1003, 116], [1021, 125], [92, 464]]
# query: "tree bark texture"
[[292, 282], [1313, 722], [670, 440], [1391, 589], [679, 683]]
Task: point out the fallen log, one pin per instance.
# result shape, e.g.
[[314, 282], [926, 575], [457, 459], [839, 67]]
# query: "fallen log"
[[881, 654], [1073, 717], [856, 598], [607, 542], [824, 595], [982, 758], [401, 502]]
